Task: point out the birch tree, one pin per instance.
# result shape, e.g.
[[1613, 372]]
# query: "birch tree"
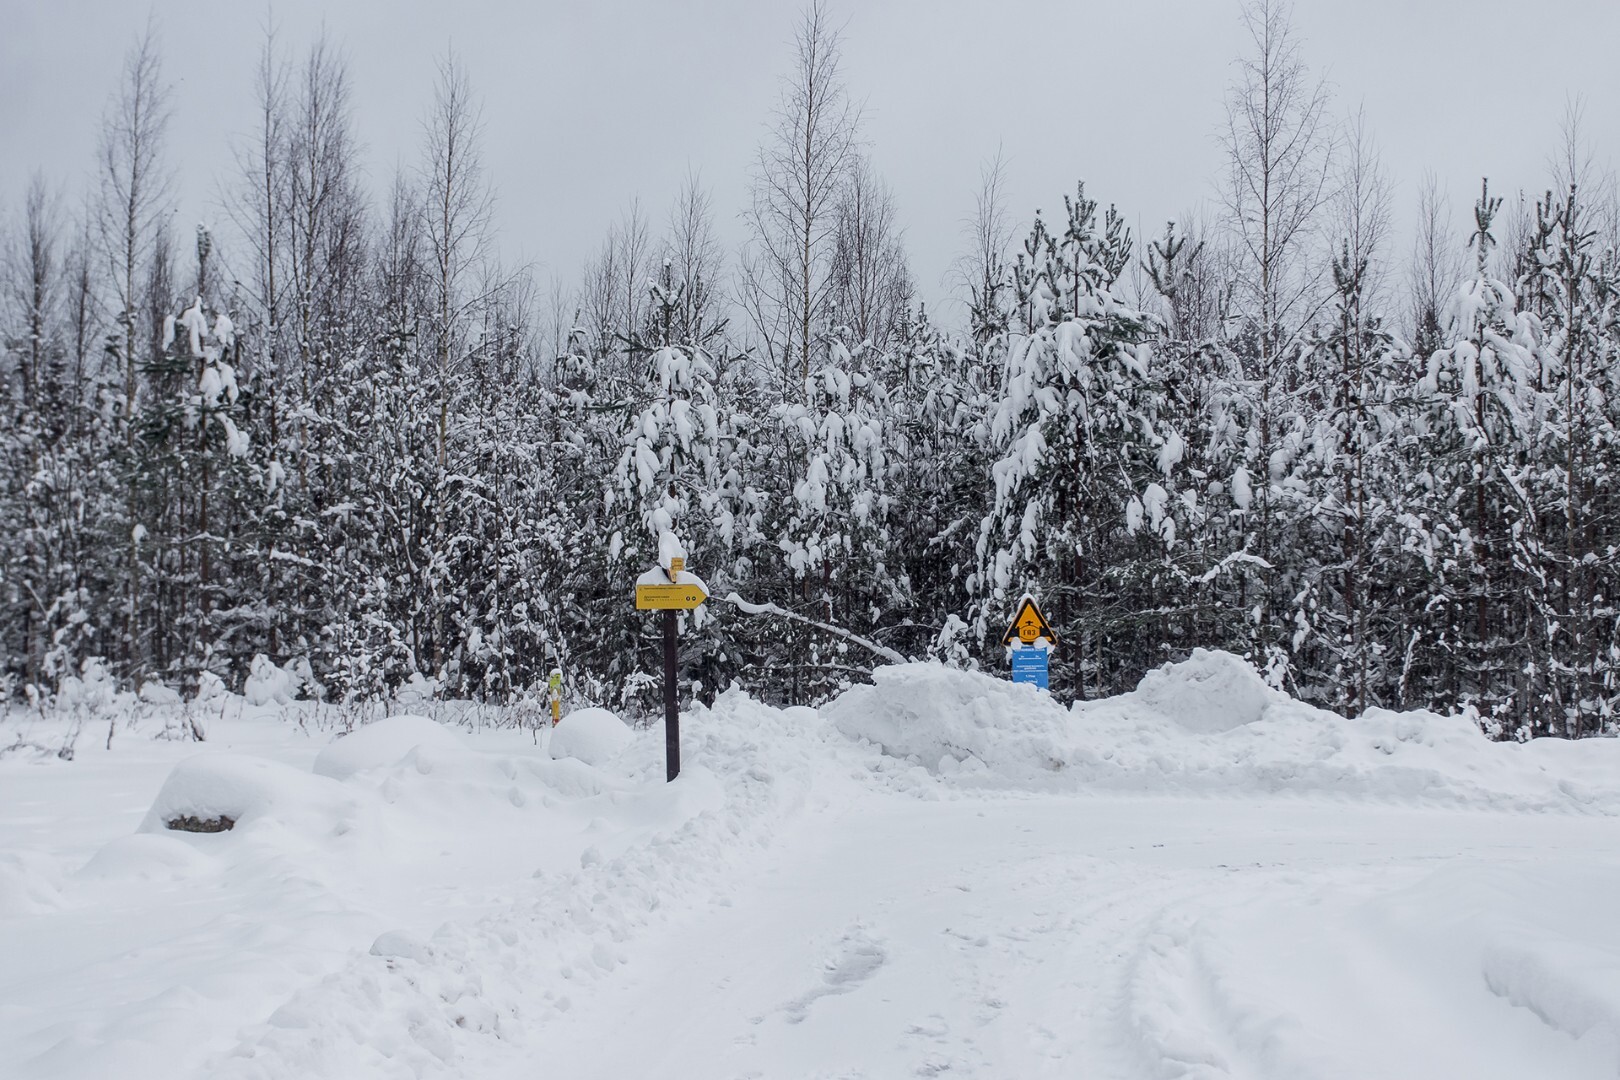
[[1279, 148], [981, 272], [1435, 269], [799, 173], [457, 201], [1279, 144], [871, 282]]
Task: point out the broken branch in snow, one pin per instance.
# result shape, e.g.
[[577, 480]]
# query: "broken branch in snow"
[[1231, 560], [771, 609]]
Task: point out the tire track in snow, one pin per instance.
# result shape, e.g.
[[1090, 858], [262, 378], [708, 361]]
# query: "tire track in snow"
[[997, 963], [1072, 993]]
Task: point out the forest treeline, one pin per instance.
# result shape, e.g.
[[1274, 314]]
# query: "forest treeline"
[[339, 434]]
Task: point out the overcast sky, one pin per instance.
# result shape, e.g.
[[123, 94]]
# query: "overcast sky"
[[589, 105]]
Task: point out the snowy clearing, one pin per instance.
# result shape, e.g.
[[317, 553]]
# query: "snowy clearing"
[[939, 874]]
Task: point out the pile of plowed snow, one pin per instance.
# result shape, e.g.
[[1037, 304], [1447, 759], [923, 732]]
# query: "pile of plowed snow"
[[1211, 724]]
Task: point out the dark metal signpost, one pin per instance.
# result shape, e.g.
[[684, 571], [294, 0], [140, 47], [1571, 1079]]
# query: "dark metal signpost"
[[672, 716], [676, 595]]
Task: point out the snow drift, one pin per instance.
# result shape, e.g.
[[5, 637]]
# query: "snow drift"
[[383, 743], [594, 736], [1210, 724], [26, 885]]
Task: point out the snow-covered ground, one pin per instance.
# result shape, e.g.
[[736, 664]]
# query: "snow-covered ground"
[[941, 874]]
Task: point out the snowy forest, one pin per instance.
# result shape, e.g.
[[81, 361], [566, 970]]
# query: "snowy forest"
[[341, 438]]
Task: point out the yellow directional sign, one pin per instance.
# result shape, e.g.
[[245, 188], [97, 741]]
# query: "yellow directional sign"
[[680, 597], [1028, 625], [676, 565]]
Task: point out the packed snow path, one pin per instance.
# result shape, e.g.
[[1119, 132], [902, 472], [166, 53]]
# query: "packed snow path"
[[1124, 937]]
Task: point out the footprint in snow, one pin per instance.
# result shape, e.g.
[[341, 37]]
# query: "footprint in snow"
[[855, 959]]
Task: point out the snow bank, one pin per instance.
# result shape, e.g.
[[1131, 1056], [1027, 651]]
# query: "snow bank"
[[1477, 967], [383, 743], [1210, 724], [594, 736]]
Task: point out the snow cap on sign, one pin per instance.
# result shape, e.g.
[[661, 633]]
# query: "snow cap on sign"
[[670, 547], [656, 576]]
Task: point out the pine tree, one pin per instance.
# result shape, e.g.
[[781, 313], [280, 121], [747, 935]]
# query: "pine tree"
[[1475, 520], [1080, 448]]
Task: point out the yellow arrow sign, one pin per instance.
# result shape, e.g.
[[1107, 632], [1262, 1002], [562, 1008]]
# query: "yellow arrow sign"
[[658, 597], [1028, 625]]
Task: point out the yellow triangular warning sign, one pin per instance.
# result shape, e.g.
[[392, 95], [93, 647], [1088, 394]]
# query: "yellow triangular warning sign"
[[1028, 625]]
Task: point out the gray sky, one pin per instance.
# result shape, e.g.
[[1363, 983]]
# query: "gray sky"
[[589, 105]]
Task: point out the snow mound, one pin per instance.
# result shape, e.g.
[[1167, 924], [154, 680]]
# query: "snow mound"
[[594, 736], [1210, 691], [382, 744], [248, 790], [1209, 726], [403, 945], [268, 684], [27, 885], [948, 719], [155, 693]]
